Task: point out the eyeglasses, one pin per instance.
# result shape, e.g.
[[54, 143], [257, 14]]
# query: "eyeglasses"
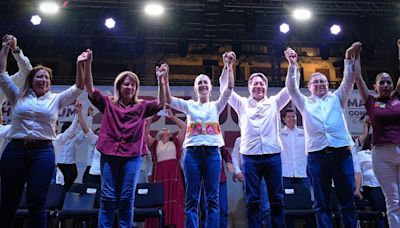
[[321, 81], [384, 81]]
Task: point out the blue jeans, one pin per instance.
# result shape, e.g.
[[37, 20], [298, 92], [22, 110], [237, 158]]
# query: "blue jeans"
[[265, 208], [33, 166], [119, 176], [269, 167], [324, 167], [223, 206], [202, 163]]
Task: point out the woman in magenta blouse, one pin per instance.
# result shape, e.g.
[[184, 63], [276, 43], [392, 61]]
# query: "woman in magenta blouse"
[[121, 141], [384, 113]]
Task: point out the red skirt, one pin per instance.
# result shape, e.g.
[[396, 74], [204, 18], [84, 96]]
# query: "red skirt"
[[170, 174]]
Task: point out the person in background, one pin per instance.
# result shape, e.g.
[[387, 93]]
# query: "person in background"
[[202, 158], [384, 114], [223, 193], [66, 147], [294, 157], [121, 140], [29, 157], [167, 153], [24, 65], [327, 138], [4, 128], [92, 156]]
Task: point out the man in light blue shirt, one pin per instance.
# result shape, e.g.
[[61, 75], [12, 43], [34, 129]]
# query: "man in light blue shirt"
[[327, 138]]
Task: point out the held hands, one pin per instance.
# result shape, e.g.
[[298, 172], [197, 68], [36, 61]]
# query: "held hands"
[[85, 57], [291, 56], [90, 111], [229, 59], [7, 41], [354, 51], [162, 73], [170, 115], [78, 106]]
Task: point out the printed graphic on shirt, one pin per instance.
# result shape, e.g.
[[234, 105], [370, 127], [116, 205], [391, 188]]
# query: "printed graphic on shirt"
[[379, 104], [196, 128]]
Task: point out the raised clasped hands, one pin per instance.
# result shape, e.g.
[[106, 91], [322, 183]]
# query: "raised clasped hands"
[[354, 51], [229, 58], [78, 106], [86, 56], [162, 73], [7, 41], [291, 56]]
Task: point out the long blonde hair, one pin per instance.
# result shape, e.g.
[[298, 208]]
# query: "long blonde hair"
[[29, 79], [118, 82]]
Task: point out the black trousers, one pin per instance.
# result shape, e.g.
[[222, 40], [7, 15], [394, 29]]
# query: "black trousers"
[[70, 173]]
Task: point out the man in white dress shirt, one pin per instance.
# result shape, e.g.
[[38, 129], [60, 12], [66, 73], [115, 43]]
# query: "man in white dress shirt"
[[259, 117], [328, 140], [294, 157]]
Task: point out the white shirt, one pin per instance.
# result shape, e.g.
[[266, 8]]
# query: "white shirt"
[[368, 175], [24, 67], [66, 143], [356, 164], [93, 156], [294, 157], [259, 121], [35, 117], [203, 114], [237, 157], [4, 129], [323, 118]]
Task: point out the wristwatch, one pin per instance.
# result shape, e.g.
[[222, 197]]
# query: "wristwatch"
[[17, 50]]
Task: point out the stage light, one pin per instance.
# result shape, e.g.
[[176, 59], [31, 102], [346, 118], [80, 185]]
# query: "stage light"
[[302, 14], [154, 9], [335, 29], [110, 23], [35, 20], [284, 28], [49, 7]]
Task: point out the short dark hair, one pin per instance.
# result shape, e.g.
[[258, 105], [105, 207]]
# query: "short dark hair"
[[286, 110]]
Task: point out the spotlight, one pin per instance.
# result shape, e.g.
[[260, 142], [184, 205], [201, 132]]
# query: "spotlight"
[[302, 14], [49, 7], [284, 28], [335, 29], [110, 23], [35, 20], [154, 9]]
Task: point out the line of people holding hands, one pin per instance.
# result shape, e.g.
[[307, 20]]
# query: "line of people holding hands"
[[28, 158]]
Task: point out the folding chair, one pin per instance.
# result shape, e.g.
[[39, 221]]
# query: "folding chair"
[[298, 204], [149, 202], [79, 205]]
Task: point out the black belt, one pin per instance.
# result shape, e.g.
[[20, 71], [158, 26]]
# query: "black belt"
[[31, 142], [329, 149]]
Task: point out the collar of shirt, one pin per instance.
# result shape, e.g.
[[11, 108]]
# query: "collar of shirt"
[[285, 128], [328, 94], [33, 94], [254, 103]]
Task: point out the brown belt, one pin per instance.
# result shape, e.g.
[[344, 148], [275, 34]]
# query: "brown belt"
[[31, 142]]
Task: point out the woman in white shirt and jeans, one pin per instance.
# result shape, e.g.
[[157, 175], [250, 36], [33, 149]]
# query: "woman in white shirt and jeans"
[[202, 158], [29, 157]]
